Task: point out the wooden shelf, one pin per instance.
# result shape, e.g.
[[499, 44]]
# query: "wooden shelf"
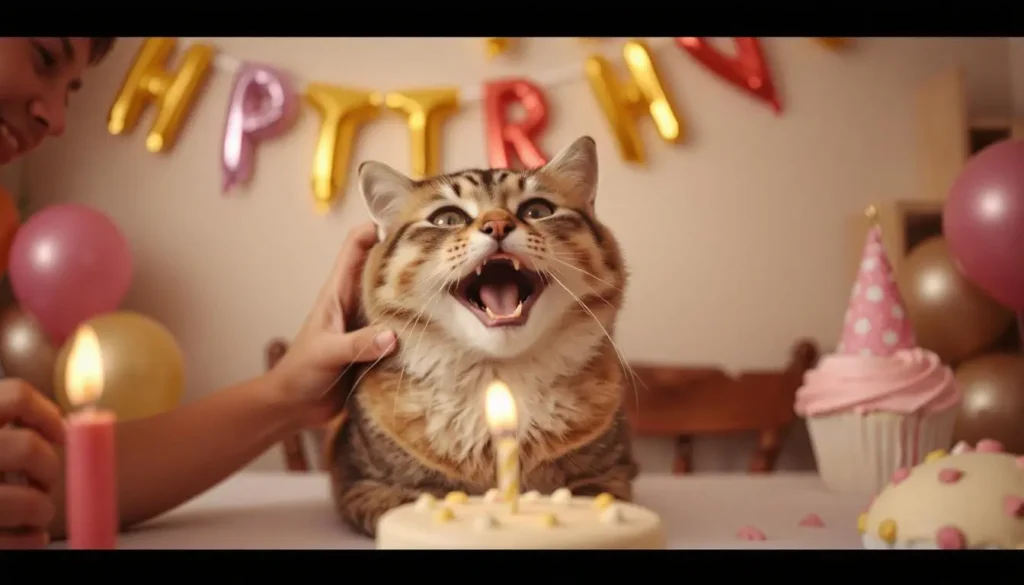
[[946, 134]]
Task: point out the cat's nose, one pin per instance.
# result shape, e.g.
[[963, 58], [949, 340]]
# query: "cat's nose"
[[498, 229]]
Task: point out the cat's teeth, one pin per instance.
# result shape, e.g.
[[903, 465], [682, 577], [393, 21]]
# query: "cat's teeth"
[[515, 263], [479, 269], [515, 314]]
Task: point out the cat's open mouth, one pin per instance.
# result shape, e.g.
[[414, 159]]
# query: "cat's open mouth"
[[500, 291]]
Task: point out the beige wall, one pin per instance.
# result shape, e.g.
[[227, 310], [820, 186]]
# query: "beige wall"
[[747, 217]]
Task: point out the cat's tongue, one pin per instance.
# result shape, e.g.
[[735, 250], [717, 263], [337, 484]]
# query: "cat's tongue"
[[502, 299]]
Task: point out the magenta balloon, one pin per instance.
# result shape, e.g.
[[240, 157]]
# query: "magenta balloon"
[[983, 222], [69, 263]]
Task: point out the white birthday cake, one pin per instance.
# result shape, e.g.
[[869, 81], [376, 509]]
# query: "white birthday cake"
[[558, 521]]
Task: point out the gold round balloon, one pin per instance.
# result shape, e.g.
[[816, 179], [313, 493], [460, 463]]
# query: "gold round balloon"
[[143, 368], [25, 350], [993, 401], [951, 316]]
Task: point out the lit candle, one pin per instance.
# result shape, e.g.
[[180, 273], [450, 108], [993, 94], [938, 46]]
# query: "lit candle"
[[90, 478], [501, 418]]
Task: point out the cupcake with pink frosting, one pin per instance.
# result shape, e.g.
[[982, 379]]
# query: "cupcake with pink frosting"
[[880, 403]]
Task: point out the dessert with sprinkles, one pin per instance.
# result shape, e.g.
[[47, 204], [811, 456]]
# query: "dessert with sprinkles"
[[970, 498]]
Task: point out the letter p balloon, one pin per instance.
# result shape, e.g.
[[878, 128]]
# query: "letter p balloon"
[[263, 105]]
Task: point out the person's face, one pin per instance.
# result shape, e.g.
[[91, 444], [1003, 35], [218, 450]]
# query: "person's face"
[[37, 74]]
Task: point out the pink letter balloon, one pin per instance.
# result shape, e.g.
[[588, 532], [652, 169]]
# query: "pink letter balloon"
[[69, 263], [983, 222], [262, 106]]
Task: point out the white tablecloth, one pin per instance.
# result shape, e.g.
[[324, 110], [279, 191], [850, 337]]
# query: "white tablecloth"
[[293, 511]]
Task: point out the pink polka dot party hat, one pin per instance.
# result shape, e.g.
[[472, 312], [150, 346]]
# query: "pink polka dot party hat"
[[876, 322]]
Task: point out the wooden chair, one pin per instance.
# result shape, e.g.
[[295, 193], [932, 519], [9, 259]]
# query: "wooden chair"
[[681, 402]]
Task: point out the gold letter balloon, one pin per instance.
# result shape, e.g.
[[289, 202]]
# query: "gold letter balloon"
[[143, 369], [425, 110], [342, 112], [174, 92], [624, 102]]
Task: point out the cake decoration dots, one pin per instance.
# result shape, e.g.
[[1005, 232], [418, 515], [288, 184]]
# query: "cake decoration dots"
[[603, 501], [444, 514], [456, 498], [425, 502], [561, 496], [887, 531], [611, 515], [548, 520], [531, 496], [961, 447], [750, 533], [492, 496], [989, 446], [950, 538], [935, 455], [899, 475], [862, 523], [812, 520], [950, 475]]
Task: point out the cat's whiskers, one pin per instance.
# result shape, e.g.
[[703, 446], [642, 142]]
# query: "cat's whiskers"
[[592, 290], [367, 370], [626, 369], [386, 312], [555, 257], [634, 378], [435, 298]]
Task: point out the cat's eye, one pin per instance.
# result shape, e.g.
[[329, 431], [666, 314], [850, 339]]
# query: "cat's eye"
[[449, 217], [536, 209]]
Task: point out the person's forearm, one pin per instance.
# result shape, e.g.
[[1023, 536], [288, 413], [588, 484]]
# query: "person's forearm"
[[165, 460]]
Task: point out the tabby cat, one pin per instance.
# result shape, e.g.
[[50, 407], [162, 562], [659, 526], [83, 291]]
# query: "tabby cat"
[[486, 274]]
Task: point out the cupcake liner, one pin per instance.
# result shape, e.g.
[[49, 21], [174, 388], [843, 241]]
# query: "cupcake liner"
[[859, 452]]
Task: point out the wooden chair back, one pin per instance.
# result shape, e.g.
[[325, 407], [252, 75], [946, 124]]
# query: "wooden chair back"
[[682, 402]]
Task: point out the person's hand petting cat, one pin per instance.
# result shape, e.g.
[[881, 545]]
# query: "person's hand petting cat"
[[322, 349]]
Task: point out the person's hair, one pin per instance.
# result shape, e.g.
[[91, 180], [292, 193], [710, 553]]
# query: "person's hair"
[[99, 47]]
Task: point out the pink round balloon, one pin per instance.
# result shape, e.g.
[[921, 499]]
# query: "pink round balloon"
[[983, 222], [69, 263]]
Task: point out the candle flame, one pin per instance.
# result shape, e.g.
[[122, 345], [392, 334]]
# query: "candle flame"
[[83, 378], [500, 407]]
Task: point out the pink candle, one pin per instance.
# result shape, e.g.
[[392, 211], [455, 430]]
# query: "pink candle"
[[90, 479]]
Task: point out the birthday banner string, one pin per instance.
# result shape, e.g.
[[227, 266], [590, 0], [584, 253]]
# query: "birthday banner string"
[[264, 104]]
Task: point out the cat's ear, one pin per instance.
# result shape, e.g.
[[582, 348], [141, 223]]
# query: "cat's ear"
[[576, 166], [384, 191]]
